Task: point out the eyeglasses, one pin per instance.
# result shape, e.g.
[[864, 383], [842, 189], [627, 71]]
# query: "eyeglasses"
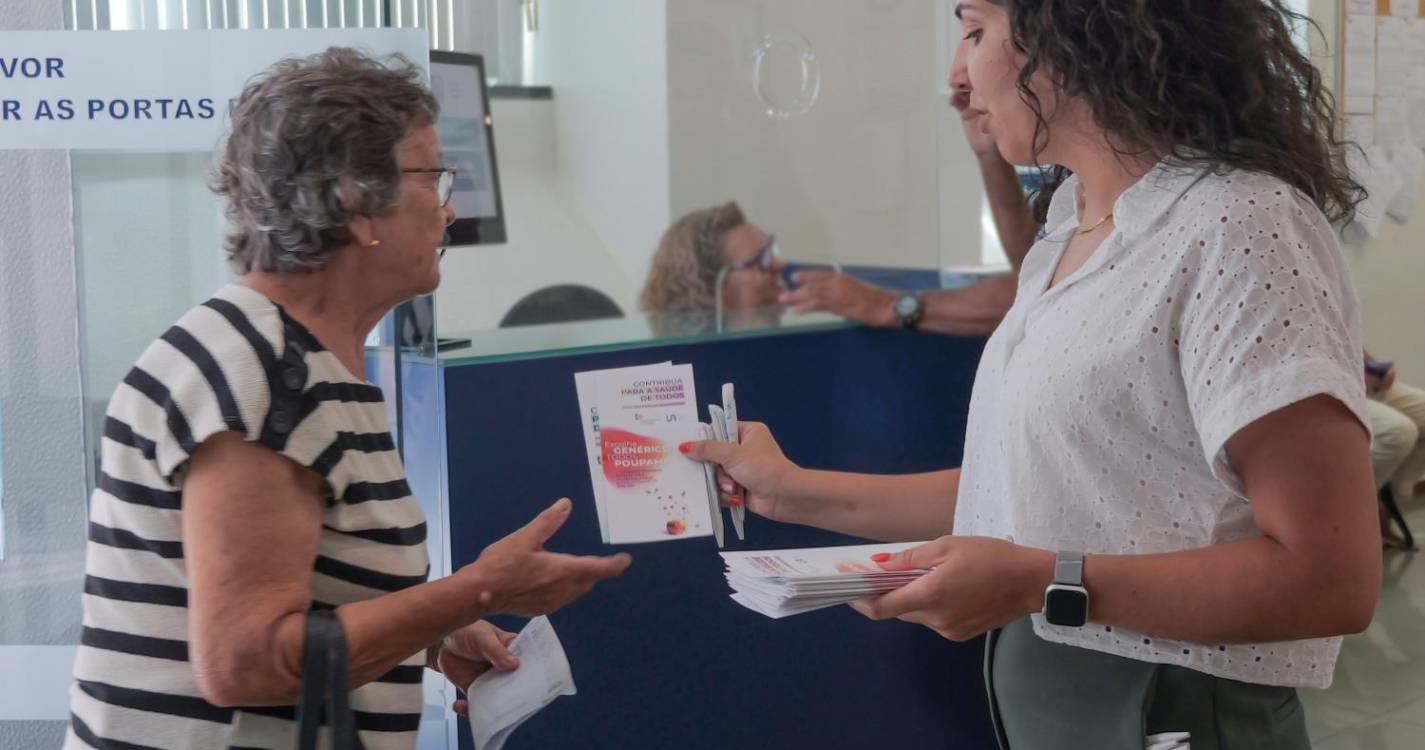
[[444, 184], [762, 260]]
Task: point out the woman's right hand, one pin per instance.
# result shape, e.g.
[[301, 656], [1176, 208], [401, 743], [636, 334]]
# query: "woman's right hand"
[[519, 577], [755, 464]]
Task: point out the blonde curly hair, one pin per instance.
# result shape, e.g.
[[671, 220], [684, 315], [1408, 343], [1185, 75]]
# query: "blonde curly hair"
[[684, 269]]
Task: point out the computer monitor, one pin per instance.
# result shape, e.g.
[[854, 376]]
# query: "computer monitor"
[[467, 137]]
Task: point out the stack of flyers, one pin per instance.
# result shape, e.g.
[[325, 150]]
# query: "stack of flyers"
[[780, 583], [634, 419]]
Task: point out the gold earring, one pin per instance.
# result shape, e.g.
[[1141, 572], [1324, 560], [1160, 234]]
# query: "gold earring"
[[373, 243]]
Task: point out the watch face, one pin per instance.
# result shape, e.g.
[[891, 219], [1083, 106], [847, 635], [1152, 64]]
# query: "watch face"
[[1066, 605], [906, 305]]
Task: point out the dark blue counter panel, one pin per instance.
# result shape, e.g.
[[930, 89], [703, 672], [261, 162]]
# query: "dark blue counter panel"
[[663, 659]]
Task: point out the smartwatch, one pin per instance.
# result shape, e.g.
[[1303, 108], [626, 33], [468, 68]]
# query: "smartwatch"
[[1066, 601], [909, 309]]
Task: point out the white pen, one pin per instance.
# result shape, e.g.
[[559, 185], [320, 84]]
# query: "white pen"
[[719, 429], [729, 415], [711, 476]]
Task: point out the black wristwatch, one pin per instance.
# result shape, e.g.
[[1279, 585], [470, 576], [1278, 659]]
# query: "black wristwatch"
[[1066, 601], [909, 309]]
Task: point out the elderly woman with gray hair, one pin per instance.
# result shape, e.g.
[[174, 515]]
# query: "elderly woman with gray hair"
[[248, 473]]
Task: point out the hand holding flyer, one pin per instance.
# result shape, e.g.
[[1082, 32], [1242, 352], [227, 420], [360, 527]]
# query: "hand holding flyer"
[[634, 420]]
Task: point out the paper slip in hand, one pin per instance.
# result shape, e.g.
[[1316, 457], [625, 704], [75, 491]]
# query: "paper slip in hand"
[[1168, 741], [501, 701], [780, 583], [646, 490]]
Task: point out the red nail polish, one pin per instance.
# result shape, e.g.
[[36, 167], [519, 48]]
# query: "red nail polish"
[[735, 501], [685, 447], [881, 557]]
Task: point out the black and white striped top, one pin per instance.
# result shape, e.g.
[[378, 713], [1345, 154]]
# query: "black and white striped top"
[[237, 363]]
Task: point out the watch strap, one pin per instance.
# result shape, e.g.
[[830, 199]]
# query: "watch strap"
[[910, 320], [1069, 568]]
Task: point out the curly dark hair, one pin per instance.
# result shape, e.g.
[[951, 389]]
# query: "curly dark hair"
[[1216, 84]]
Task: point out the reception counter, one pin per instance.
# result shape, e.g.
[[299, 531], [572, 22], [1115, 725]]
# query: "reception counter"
[[662, 657]]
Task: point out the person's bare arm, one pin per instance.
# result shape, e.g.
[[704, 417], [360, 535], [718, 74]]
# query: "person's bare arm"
[[884, 507], [251, 524], [972, 311], [1315, 570], [889, 507]]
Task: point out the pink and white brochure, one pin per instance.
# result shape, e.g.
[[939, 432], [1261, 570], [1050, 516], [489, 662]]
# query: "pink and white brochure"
[[645, 489]]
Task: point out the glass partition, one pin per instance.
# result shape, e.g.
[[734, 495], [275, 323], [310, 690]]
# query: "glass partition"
[[826, 123]]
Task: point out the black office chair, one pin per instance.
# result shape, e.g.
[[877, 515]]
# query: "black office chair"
[[561, 304], [1387, 499]]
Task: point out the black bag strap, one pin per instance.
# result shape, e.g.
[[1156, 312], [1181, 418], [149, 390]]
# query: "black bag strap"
[[325, 684]]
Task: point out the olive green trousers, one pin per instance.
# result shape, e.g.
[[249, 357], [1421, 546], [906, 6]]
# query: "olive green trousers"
[[1048, 696]]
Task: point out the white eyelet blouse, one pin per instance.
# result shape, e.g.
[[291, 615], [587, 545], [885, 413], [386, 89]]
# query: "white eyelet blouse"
[[1102, 407]]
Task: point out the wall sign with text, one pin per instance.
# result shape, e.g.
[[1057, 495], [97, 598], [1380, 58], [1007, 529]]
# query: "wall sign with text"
[[150, 90]]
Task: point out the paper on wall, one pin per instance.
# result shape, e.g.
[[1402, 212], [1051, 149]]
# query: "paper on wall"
[[1361, 130], [1360, 73], [1361, 7], [1371, 167], [1415, 93], [1392, 120], [1394, 54], [1417, 121], [1409, 162]]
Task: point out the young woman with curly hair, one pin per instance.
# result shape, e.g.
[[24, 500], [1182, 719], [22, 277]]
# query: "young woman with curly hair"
[[1165, 516]]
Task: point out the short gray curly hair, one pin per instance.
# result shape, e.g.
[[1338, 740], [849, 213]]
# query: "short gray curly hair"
[[313, 145]]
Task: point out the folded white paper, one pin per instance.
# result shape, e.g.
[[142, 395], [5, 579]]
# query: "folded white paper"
[[501, 701], [1168, 741], [586, 386], [780, 583], [645, 489]]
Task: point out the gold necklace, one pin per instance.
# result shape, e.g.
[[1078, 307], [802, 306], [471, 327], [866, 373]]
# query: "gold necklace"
[[1097, 224]]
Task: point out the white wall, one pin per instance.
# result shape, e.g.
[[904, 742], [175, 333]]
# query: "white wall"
[[44, 503], [607, 64], [1389, 271]]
